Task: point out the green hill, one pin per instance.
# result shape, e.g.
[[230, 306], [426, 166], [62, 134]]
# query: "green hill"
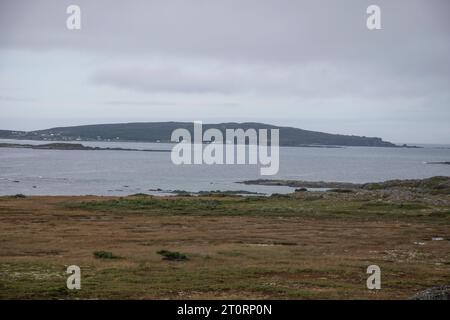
[[161, 132]]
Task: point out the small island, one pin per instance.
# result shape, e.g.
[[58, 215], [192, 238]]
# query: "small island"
[[71, 146]]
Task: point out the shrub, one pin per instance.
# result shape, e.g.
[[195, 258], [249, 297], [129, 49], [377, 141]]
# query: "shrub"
[[140, 195], [341, 190], [279, 195], [173, 255], [105, 255]]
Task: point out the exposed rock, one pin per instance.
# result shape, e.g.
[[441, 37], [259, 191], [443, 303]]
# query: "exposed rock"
[[301, 184], [434, 185], [434, 293]]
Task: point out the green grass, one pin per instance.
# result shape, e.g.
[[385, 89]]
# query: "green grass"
[[393, 206], [31, 280], [147, 280], [150, 280], [313, 205]]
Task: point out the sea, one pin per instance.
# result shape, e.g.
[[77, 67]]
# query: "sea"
[[108, 172]]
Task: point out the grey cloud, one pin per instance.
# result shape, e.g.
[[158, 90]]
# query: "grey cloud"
[[414, 40], [281, 31], [247, 50], [139, 103], [310, 81], [16, 99]]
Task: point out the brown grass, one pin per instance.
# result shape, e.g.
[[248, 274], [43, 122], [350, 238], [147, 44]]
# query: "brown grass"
[[267, 256]]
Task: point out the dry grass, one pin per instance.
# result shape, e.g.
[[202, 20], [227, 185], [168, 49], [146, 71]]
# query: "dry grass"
[[288, 253]]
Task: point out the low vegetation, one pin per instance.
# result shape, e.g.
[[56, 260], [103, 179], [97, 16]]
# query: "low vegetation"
[[303, 245], [173, 255], [333, 204], [105, 255]]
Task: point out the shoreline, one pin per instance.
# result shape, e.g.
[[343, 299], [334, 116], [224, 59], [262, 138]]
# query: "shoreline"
[[406, 146], [71, 147], [431, 182], [432, 185]]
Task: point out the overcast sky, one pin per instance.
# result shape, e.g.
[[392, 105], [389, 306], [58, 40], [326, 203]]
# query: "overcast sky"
[[309, 64]]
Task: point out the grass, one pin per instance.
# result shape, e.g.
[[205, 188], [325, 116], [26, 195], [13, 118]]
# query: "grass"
[[314, 205], [302, 246]]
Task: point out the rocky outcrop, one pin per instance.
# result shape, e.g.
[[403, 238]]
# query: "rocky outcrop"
[[434, 293]]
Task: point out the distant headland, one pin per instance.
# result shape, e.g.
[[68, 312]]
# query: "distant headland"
[[161, 132]]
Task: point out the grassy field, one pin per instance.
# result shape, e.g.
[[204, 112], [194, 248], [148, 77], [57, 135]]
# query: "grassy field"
[[307, 245]]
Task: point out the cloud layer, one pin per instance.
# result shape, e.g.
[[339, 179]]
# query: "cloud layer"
[[275, 60]]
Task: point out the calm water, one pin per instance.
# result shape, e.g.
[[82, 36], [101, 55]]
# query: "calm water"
[[56, 172]]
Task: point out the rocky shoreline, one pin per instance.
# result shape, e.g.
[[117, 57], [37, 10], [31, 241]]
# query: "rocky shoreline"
[[71, 146], [433, 185]]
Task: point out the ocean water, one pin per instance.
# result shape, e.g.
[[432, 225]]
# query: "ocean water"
[[64, 172]]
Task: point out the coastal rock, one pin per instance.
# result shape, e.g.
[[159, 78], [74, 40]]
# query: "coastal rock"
[[434, 293]]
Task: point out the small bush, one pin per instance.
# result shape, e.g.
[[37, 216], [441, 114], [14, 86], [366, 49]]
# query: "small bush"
[[280, 195], [173, 255], [140, 195], [105, 255], [338, 190], [19, 195]]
